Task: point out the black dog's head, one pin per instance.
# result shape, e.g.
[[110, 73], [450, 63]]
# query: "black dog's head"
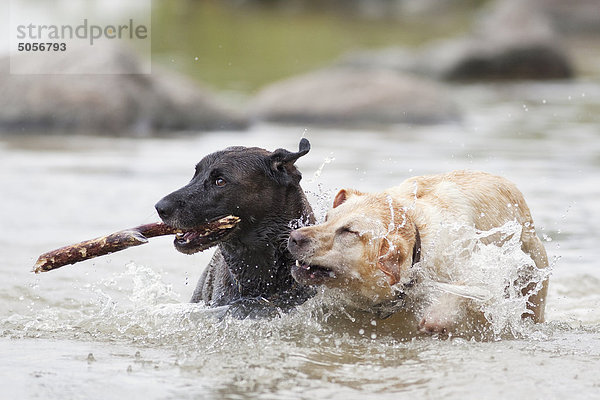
[[251, 183]]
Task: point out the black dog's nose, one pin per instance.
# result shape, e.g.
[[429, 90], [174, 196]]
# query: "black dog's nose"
[[165, 208], [297, 240]]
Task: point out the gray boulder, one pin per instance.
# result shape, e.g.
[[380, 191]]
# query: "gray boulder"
[[511, 40], [122, 103], [346, 96], [477, 60], [571, 16]]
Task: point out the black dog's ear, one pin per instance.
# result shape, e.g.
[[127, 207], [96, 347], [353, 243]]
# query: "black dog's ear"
[[303, 147], [282, 161], [283, 156]]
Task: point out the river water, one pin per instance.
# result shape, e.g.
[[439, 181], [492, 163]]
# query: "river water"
[[119, 326]]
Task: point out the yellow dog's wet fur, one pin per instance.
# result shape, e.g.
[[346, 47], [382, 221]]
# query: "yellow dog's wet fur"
[[368, 242]]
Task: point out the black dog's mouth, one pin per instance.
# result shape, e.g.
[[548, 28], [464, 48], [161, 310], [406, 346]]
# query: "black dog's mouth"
[[309, 274], [205, 236]]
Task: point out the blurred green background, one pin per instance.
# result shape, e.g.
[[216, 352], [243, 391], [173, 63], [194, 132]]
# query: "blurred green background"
[[241, 47]]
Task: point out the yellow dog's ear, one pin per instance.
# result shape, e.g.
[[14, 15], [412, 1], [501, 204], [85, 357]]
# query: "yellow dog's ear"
[[344, 195], [390, 258], [396, 250]]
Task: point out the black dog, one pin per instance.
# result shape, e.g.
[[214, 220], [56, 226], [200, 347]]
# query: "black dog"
[[252, 264]]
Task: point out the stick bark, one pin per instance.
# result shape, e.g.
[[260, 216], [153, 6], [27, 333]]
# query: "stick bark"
[[121, 240]]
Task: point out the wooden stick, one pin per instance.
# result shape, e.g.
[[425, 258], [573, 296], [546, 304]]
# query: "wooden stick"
[[122, 240]]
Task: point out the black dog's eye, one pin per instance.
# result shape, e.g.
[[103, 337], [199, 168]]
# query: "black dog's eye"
[[220, 182]]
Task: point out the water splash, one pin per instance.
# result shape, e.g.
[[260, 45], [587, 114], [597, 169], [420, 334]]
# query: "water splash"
[[321, 201], [138, 306], [492, 271], [319, 171]]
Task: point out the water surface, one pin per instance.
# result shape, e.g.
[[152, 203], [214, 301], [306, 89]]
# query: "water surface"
[[119, 326]]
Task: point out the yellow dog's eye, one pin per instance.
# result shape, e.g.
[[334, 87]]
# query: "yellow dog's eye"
[[348, 230]]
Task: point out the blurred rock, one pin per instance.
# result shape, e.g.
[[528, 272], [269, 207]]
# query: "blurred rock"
[[508, 21], [123, 103], [571, 16], [511, 40], [476, 60], [344, 96]]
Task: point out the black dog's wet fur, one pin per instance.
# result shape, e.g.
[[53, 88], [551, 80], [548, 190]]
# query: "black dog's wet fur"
[[262, 188]]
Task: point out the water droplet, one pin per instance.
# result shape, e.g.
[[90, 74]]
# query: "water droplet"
[[373, 322], [361, 331], [373, 336]]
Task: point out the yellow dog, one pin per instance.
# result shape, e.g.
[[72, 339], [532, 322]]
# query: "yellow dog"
[[370, 243]]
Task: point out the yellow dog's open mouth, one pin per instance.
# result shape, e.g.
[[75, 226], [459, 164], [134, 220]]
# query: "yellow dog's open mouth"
[[309, 274]]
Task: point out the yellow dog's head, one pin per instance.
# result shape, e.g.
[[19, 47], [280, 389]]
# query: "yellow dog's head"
[[367, 243]]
